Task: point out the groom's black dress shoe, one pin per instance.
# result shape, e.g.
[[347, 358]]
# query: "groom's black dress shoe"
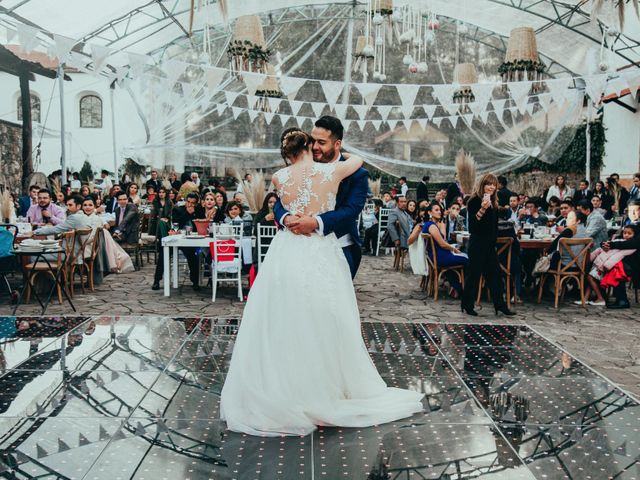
[[618, 305], [196, 287], [155, 286]]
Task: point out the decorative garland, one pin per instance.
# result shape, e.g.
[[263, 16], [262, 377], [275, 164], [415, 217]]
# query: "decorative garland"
[[249, 51], [269, 93]]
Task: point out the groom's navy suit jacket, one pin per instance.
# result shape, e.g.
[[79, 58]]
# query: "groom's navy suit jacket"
[[350, 201]]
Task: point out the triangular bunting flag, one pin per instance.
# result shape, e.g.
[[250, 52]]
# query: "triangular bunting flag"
[[468, 409], [437, 121], [558, 88], [361, 110], [453, 119], [102, 434], [140, 430], [615, 86], [384, 111], [161, 427], [213, 77], [407, 111], [99, 55], [632, 77], [236, 112], [446, 403], [402, 350], [346, 124], [408, 94], [252, 114], [173, 69], [274, 103], [341, 110], [295, 106], [221, 108], [392, 124], [498, 106], [291, 85], [545, 101], [318, 108], [11, 34], [331, 90], [137, 62], [361, 124], [284, 119], [369, 91], [444, 93], [99, 381], [376, 124], [483, 93], [62, 46], [268, 117], [595, 86], [622, 449], [299, 122], [119, 435], [230, 347], [252, 81], [372, 345], [430, 110], [422, 122], [520, 92], [530, 108], [451, 108], [468, 118], [231, 97], [417, 352], [387, 346], [484, 116], [28, 37]]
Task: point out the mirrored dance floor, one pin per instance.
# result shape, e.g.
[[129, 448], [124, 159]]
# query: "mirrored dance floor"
[[137, 397]]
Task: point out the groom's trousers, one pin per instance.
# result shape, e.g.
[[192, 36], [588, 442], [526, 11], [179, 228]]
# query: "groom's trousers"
[[353, 254]]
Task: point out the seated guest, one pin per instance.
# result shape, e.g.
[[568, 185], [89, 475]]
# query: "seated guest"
[[184, 216], [160, 213], [531, 214], [633, 213], [89, 209], [85, 191], [210, 206], [154, 182], [603, 261], [221, 205], [132, 193], [151, 193], [388, 201], [553, 206], [27, 201], [506, 228], [111, 202], [566, 206], [242, 200], [237, 216], [412, 209], [596, 201], [416, 245], [265, 215], [446, 255], [583, 192], [75, 220], [45, 211], [454, 222], [504, 194], [100, 208], [174, 182], [601, 190], [560, 190], [61, 200], [127, 221], [575, 228], [595, 224], [630, 268], [514, 208], [400, 223], [370, 224]]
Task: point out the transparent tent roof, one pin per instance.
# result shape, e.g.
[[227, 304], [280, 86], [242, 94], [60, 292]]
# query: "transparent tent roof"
[[565, 33]]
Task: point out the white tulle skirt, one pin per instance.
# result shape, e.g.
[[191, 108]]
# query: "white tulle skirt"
[[299, 359]]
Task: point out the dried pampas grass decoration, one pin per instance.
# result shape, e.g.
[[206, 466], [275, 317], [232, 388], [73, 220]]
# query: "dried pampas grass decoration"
[[597, 8], [7, 210], [253, 192], [466, 170], [375, 186], [56, 185]]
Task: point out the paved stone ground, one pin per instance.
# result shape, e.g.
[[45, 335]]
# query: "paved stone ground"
[[608, 341]]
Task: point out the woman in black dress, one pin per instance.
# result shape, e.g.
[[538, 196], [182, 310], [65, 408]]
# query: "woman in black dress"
[[482, 212]]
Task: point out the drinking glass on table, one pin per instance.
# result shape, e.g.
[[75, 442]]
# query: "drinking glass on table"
[[187, 230]]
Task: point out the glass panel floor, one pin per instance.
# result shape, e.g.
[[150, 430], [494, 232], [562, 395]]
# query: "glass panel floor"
[[137, 397]]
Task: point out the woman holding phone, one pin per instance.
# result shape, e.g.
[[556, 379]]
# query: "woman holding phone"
[[482, 212]]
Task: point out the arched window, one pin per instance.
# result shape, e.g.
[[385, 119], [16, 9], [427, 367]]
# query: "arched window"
[[35, 108], [90, 112]]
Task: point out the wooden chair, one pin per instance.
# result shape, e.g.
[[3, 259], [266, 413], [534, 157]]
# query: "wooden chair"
[[504, 246], [434, 271], [399, 254], [83, 238], [68, 242], [135, 249], [383, 220], [576, 269], [90, 261]]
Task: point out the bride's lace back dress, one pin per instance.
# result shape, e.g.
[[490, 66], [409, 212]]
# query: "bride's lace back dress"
[[299, 359]]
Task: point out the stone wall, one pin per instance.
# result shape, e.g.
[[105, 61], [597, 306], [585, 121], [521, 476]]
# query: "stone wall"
[[11, 156]]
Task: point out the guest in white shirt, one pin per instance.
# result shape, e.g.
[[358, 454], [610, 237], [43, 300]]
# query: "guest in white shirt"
[[404, 188], [560, 189]]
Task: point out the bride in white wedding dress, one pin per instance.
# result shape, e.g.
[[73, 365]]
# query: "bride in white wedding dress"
[[299, 359]]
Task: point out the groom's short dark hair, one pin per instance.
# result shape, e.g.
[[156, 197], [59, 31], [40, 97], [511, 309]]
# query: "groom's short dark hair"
[[332, 124]]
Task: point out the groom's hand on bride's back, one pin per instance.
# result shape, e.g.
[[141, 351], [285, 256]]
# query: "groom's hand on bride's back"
[[302, 225]]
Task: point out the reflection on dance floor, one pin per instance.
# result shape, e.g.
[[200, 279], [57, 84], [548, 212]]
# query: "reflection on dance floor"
[[138, 397]]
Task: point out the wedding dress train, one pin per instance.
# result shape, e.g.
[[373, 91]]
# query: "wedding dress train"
[[299, 359]]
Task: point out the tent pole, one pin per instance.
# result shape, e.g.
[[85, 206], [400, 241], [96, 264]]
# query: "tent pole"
[[63, 159], [349, 59], [113, 132], [588, 139]]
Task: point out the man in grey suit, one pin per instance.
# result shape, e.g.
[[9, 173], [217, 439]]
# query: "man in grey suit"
[[127, 222], [400, 223], [596, 224], [76, 220]]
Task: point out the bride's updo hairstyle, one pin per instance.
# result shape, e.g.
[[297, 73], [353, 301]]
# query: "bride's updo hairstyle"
[[293, 142]]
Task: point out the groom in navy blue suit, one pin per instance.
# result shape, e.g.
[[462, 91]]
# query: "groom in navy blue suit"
[[352, 194]]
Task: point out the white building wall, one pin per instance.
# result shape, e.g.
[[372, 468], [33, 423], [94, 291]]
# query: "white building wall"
[[92, 144], [622, 150]]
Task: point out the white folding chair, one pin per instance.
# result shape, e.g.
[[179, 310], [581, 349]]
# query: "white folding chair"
[[383, 220], [226, 257], [266, 234]]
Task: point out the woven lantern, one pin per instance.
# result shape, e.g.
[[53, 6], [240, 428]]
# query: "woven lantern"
[[247, 50], [465, 75], [522, 62], [364, 47], [270, 88], [384, 7]]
